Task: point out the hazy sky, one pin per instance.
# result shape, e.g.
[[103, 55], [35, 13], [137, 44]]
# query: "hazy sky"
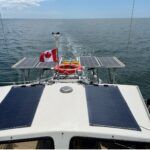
[[73, 8]]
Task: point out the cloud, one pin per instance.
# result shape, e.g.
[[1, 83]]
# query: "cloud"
[[19, 3]]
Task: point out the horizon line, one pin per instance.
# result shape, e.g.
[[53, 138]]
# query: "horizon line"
[[79, 18]]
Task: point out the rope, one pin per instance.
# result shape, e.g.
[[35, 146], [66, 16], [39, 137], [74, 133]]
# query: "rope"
[[130, 26]]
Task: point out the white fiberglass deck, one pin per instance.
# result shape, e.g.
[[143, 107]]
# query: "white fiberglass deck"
[[60, 113]]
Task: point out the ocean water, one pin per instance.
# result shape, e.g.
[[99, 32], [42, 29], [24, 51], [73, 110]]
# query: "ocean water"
[[99, 37]]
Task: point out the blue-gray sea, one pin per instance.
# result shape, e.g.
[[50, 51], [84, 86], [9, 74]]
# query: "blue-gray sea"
[[100, 37]]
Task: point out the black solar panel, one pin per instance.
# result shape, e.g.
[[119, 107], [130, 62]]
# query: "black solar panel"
[[88, 61], [107, 107], [27, 63], [46, 65], [19, 107]]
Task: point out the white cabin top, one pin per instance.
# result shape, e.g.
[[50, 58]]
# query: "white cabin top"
[[67, 114]]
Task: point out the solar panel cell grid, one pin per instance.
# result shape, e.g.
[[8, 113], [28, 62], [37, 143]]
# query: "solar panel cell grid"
[[46, 65], [32, 63], [27, 63], [88, 61], [19, 107], [110, 62], [107, 107]]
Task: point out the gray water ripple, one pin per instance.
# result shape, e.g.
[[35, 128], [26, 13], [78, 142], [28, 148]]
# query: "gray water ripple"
[[99, 37]]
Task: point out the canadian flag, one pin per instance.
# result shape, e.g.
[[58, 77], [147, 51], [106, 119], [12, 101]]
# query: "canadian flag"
[[49, 56]]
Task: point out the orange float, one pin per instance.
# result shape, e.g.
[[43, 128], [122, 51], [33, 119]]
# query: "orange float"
[[68, 69]]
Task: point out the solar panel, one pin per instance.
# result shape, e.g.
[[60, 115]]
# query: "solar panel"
[[26, 63], [90, 62], [87, 61], [107, 107], [110, 62], [18, 108], [46, 65]]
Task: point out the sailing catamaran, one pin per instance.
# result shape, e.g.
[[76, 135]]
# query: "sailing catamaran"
[[71, 109]]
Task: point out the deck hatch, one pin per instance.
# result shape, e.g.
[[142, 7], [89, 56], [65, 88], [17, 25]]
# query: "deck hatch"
[[107, 107], [19, 106]]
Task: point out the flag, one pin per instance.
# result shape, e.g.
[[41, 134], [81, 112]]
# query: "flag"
[[49, 56]]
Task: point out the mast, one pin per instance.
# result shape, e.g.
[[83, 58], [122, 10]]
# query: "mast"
[[56, 37]]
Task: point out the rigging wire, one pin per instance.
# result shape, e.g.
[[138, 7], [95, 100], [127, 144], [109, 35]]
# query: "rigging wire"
[[130, 26], [145, 128], [28, 81], [123, 145], [3, 32]]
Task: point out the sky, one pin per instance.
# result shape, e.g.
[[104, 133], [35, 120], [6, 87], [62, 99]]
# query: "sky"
[[73, 9]]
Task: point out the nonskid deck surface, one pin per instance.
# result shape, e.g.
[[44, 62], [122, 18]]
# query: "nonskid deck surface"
[[105, 104], [101, 111]]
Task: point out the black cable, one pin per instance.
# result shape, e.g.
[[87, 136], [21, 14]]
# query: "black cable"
[[145, 128], [130, 26], [126, 147]]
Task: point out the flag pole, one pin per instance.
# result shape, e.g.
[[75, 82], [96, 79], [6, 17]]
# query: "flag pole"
[[56, 37]]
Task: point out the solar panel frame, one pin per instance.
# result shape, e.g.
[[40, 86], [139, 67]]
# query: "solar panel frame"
[[89, 62], [107, 107], [86, 61], [45, 65], [110, 62], [26, 63], [33, 63], [18, 108]]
